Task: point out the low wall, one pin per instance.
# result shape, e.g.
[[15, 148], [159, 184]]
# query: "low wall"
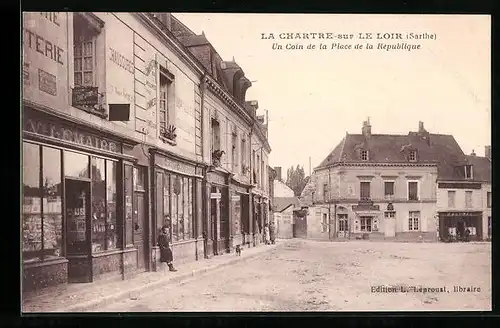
[[44, 274]]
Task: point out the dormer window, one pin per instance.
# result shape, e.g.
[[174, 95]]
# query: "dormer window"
[[468, 171], [364, 155], [413, 156]]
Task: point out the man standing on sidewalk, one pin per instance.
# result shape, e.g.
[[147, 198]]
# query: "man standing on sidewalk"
[[166, 255]]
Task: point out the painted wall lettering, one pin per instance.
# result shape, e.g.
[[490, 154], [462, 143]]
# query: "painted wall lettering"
[[69, 135], [52, 17], [43, 46], [121, 61]]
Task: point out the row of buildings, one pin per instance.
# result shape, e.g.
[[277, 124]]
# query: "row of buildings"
[[419, 186], [132, 121]]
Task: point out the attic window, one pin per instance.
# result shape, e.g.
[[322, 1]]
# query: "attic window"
[[413, 156], [364, 155], [468, 171]]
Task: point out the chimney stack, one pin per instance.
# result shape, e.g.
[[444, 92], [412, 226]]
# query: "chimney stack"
[[278, 172], [473, 153], [421, 127], [487, 151], [367, 128]]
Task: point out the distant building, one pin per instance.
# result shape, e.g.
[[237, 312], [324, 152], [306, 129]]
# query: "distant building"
[[384, 186]]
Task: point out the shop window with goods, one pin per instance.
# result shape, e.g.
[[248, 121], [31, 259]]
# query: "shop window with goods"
[[42, 203]]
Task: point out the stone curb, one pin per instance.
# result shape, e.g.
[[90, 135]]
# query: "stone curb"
[[90, 305]]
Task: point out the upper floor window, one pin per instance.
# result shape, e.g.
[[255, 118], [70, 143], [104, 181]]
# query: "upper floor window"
[[389, 188], [165, 103], [84, 50], [364, 155], [257, 166], [364, 190], [468, 198], [243, 155], [215, 135], [325, 191], [412, 190], [488, 199], [234, 150], [451, 198], [413, 155], [468, 171]]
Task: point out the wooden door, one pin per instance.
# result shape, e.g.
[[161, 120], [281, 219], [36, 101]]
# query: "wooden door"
[[140, 230], [300, 227]]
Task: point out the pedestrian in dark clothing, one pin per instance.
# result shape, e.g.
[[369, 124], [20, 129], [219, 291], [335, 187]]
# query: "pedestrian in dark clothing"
[[272, 232], [467, 234], [165, 251]]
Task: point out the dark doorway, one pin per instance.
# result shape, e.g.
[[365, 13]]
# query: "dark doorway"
[[300, 226], [77, 201], [214, 211], [460, 228], [224, 220], [245, 218], [140, 230]]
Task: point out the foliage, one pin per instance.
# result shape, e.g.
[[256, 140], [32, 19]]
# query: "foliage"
[[296, 179]]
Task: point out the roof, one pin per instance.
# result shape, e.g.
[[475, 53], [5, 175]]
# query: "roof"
[[481, 168], [282, 203], [440, 149]]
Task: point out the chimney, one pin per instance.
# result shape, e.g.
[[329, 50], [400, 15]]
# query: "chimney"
[[421, 127], [367, 128], [165, 18], [487, 151], [278, 172], [473, 153]]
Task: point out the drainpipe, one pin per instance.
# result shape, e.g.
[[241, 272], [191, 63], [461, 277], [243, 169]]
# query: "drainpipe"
[[204, 200]]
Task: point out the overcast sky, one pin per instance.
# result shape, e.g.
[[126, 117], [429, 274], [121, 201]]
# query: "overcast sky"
[[315, 96]]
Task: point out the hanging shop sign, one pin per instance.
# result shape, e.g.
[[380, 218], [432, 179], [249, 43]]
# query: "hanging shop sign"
[[85, 96]]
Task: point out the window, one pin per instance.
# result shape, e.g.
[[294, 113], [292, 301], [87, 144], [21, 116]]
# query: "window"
[[76, 165], [113, 238], [413, 221], [254, 177], [98, 217], [129, 193], [412, 190], [325, 192], [243, 155], [366, 223], [257, 166], [468, 171], [42, 203], [390, 215], [389, 188], [488, 199], [84, 41], [365, 190], [364, 155], [215, 135], [468, 198], [165, 101], [413, 155], [234, 151], [342, 222], [489, 226], [324, 223], [451, 198], [178, 193]]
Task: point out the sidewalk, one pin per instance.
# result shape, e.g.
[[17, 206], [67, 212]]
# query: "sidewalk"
[[85, 297]]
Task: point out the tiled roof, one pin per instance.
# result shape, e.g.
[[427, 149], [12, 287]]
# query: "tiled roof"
[[388, 148], [481, 168], [282, 203]]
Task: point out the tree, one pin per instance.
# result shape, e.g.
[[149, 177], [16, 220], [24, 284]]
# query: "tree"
[[296, 179]]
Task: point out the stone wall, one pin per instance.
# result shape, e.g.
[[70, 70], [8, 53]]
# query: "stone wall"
[[45, 274]]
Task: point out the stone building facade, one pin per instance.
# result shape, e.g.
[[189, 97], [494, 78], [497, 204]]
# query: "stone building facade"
[[117, 143]]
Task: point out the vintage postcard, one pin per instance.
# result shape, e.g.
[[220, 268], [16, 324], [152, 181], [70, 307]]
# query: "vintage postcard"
[[255, 162]]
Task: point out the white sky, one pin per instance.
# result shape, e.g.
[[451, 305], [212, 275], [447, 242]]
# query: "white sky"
[[315, 96]]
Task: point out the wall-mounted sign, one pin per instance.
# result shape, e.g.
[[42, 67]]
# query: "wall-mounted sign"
[[47, 82], [69, 133], [235, 198], [85, 96], [215, 195], [170, 164], [458, 185]]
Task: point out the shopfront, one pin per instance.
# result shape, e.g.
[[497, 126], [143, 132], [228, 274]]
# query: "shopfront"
[[218, 225], [75, 186], [240, 214], [453, 225], [178, 205]]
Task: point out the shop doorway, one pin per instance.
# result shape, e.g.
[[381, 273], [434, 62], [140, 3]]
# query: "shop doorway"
[[140, 224], [77, 223], [212, 229]]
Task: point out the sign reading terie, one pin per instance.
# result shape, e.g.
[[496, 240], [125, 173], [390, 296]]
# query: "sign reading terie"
[[69, 134], [85, 96]]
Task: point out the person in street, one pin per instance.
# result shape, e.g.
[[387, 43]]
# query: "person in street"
[[272, 233], [266, 234], [467, 234], [166, 255]]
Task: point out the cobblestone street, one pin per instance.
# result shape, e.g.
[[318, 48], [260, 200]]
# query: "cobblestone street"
[[320, 276]]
